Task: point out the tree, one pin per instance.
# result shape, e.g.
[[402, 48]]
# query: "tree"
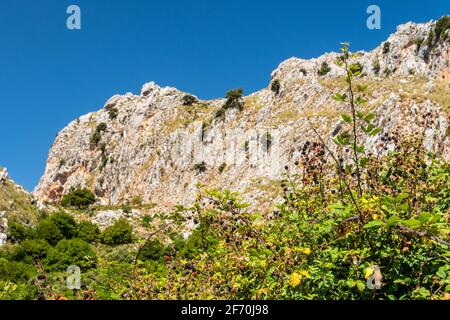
[[65, 223], [71, 252], [189, 100], [78, 198], [121, 232], [88, 231], [49, 231]]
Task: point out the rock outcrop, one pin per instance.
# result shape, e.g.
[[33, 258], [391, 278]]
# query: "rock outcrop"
[[153, 149]]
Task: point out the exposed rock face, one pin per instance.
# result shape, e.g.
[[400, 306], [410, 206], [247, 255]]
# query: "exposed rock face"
[[157, 150], [3, 228]]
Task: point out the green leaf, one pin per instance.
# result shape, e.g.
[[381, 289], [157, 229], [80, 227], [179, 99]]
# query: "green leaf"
[[374, 224], [374, 132], [340, 97], [393, 220], [346, 118]]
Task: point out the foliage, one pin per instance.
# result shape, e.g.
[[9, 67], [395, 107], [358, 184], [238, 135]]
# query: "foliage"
[[189, 100], [15, 271], [18, 231], [324, 69], [113, 112], [88, 231], [97, 136], [119, 233], [441, 28], [71, 252], [47, 230], [386, 47], [222, 167], [30, 250], [65, 223], [79, 198], [275, 86], [200, 167]]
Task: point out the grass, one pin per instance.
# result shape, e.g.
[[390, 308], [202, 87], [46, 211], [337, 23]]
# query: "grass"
[[17, 204]]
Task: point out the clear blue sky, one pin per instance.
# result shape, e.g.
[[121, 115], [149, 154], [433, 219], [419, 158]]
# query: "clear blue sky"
[[50, 75]]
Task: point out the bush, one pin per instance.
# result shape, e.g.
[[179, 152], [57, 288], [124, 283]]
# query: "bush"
[[19, 231], [275, 86], [154, 250], [97, 136], [71, 252], [88, 231], [200, 167], [113, 112], [120, 232], [303, 71], [65, 223], [78, 198], [376, 67], [30, 250], [16, 272], [222, 167], [324, 69], [234, 99], [441, 27], [386, 47], [49, 231], [189, 100]]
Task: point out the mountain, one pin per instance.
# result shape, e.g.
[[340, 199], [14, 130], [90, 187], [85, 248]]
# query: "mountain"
[[156, 147]]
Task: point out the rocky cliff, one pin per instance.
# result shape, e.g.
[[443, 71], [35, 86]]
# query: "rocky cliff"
[[153, 148]]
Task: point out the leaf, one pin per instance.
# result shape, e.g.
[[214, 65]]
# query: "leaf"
[[361, 88], [369, 117], [361, 285], [374, 132], [401, 197], [346, 118], [393, 220], [374, 224], [340, 97]]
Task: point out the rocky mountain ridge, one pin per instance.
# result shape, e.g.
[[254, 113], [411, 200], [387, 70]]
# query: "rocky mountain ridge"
[[151, 148]]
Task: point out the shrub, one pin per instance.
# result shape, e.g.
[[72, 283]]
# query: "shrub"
[[376, 67], [234, 99], [222, 167], [303, 71], [30, 250], [88, 231], [324, 69], [19, 231], [47, 230], [71, 252], [120, 232], [189, 100], [418, 42], [441, 27], [78, 198], [200, 167], [65, 223], [16, 272], [220, 113], [97, 136], [113, 112], [275, 86], [387, 72], [154, 250], [386, 47]]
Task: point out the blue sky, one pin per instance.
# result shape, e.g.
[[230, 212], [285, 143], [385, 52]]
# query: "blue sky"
[[50, 75]]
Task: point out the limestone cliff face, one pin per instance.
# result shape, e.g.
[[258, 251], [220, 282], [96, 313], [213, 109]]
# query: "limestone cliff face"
[[157, 150]]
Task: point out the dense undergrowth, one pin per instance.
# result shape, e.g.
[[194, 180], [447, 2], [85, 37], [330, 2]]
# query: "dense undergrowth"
[[353, 224]]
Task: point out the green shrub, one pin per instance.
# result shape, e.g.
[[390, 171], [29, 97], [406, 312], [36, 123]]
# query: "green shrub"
[[65, 223], [88, 231], [153, 250], [324, 69], [386, 47], [49, 231], [189, 100], [113, 112], [30, 250], [78, 198], [120, 232], [19, 231], [376, 67], [222, 167], [441, 27], [71, 252], [97, 136], [234, 99], [16, 272], [275, 86], [200, 167]]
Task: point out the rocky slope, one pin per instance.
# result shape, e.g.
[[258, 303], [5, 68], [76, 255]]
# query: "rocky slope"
[[16, 204], [151, 148]]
